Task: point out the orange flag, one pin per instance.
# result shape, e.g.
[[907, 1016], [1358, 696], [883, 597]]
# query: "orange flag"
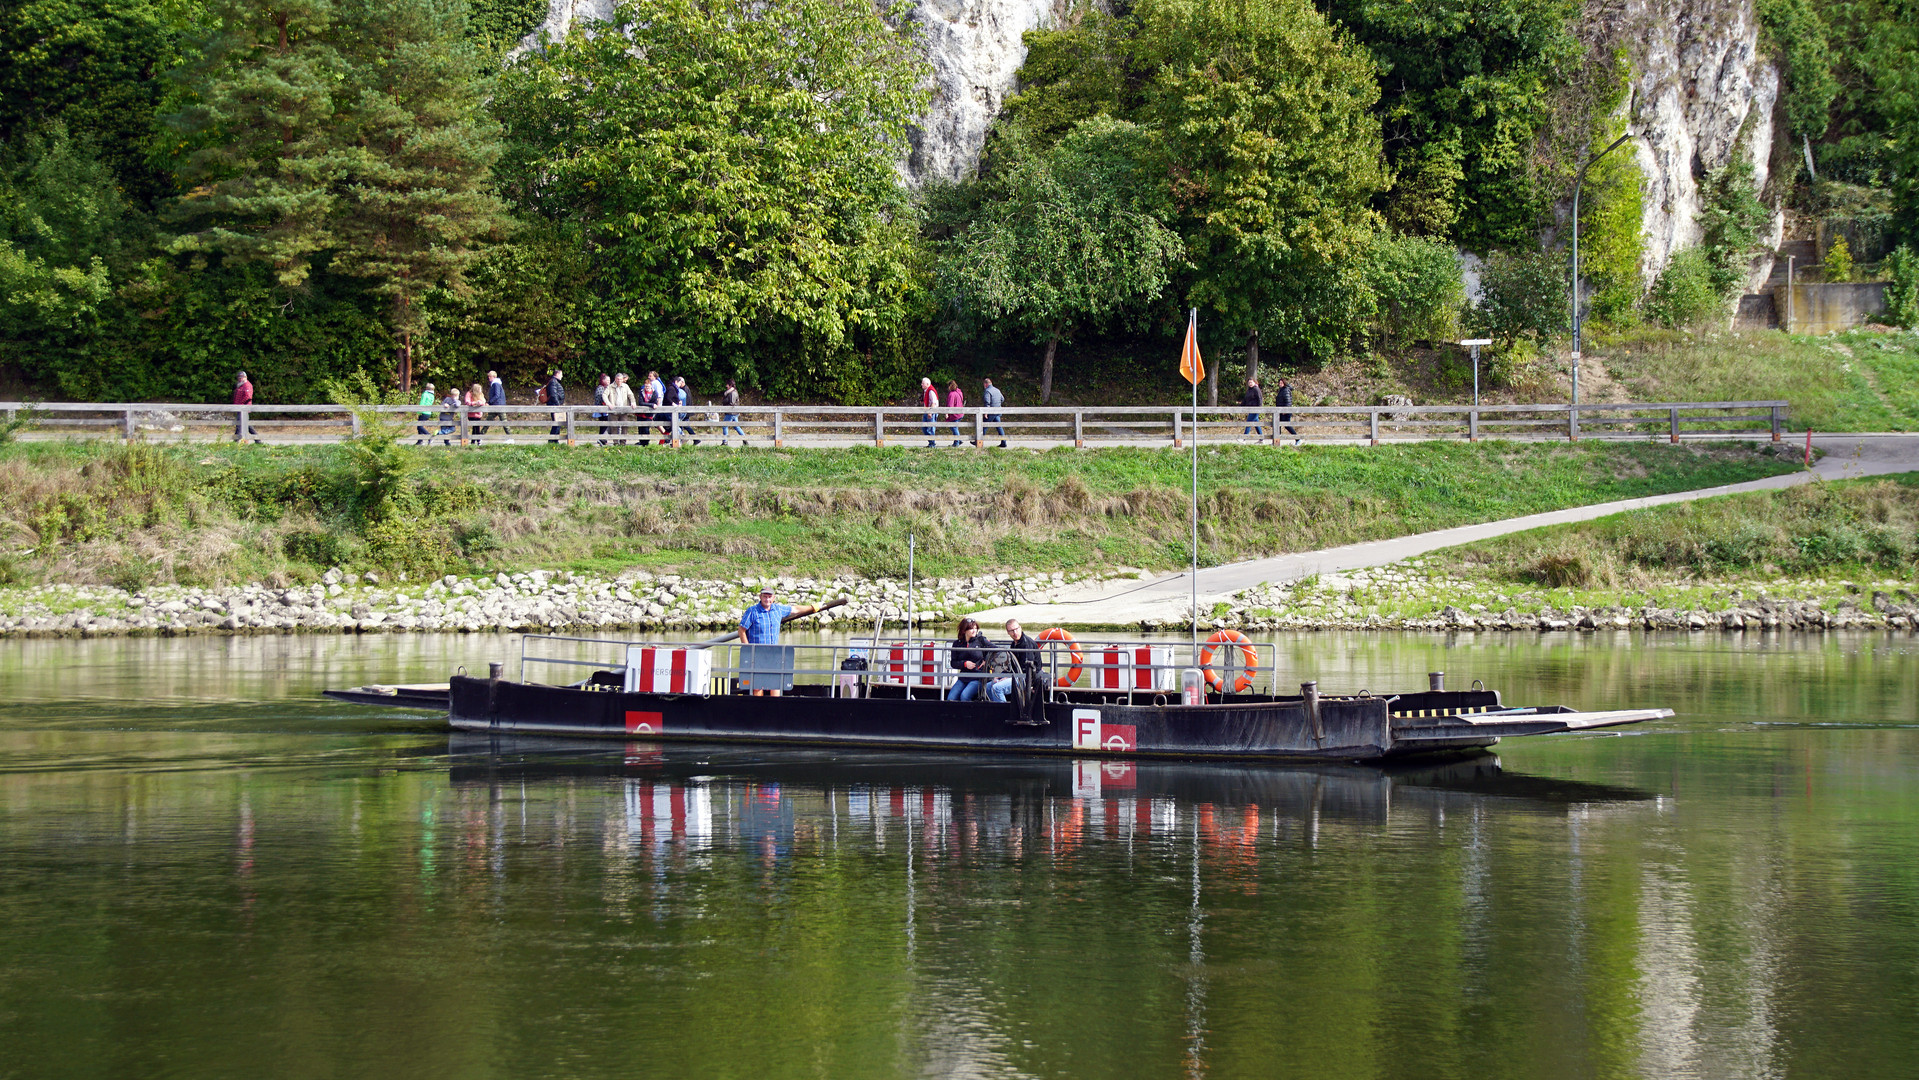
[[1190, 364]]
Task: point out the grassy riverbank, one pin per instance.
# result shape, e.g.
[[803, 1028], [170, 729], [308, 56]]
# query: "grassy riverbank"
[[146, 515]]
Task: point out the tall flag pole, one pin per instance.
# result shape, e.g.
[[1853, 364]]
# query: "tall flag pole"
[[1193, 369]]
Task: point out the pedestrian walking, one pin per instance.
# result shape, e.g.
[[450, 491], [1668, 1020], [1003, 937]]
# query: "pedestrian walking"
[[929, 400], [652, 393], [449, 415], [600, 390], [619, 398], [1283, 397], [955, 399], [242, 395], [731, 400], [681, 399], [1252, 399], [556, 396], [427, 400], [474, 399], [496, 395], [993, 399]]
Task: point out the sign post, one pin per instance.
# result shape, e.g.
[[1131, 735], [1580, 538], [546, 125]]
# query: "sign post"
[[1474, 344]]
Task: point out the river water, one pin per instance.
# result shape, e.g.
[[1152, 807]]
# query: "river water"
[[208, 871]]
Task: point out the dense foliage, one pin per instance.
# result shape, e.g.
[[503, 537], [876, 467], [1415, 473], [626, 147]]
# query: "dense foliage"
[[315, 188]]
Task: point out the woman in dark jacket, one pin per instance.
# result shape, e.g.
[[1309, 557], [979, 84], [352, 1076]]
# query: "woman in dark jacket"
[[969, 659]]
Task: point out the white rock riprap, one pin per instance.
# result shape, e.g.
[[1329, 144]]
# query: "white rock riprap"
[[539, 600]]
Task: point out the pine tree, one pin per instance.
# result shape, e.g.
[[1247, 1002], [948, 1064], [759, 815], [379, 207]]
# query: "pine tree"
[[258, 157], [416, 201]]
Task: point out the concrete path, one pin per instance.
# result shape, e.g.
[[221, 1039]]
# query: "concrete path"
[[1168, 599]]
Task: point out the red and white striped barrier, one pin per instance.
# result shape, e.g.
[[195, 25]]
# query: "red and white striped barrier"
[[916, 664], [652, 670], [1131, 667]]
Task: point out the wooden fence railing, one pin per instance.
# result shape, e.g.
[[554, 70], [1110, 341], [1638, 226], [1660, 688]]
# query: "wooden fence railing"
[[833, 425]]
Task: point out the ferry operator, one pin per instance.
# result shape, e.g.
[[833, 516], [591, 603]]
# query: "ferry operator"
[[760, 625]]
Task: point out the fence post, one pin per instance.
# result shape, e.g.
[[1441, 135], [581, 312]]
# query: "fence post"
[[673, 428], [1572, 424], [1177, 433], [1373, 416], [353, 422], [569, 425], [1674, 421], [1079, 430], [1472, 425], [126, 425], [465, 428], [779, 431], [879, 427], [1778, 421], [240, 429]]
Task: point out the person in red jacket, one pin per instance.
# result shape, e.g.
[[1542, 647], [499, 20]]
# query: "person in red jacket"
[[929, 400], [242, 395]]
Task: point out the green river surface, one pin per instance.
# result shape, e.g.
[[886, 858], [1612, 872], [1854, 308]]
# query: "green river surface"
[[206, 870]]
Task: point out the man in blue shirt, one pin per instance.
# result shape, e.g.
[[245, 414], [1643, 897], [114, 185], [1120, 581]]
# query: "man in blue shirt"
[[760, 624]]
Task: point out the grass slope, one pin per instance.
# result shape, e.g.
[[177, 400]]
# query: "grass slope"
[[140, 515]]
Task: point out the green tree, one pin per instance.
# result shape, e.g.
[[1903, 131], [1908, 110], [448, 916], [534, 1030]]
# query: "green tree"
[[415, 202], [1839, 261], [61, 218], [1467, 87], [730, 168], [1262, 112], [1419, 288], [1524, 295], [1731, 219], [259, 153], [1074, 238], [97, 67], [1798, 37]]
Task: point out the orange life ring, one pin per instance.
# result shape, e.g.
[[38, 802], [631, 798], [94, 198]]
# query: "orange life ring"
[[1072, 650], [1248, 657]]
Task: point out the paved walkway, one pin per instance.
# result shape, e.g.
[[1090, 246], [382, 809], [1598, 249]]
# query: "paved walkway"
[[1167, 599]]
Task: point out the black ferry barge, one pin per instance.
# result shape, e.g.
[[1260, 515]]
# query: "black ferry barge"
[[1124, 699]]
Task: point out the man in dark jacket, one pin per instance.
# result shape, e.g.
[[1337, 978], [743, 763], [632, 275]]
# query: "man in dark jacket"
[[1282, 397], [1025, 653], [556, 397], [1251, 400], [495, 395]]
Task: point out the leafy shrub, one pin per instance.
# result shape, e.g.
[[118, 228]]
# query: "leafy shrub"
[[1902, 290], [1684, 294], [1730, 220], [1523, 295], [1419, 287], [1839, 261], [320, 547]]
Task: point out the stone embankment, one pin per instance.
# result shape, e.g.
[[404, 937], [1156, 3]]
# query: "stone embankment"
[[1410, 597], [538, 601]]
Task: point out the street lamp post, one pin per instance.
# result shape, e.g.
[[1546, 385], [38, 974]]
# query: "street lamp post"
[[1577, 184]]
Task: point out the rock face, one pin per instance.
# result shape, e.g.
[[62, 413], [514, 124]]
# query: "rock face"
[[975, 48], [1701, 93]]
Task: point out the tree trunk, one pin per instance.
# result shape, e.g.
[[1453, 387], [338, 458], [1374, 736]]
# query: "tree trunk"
[[403, 361], [1212, 385], [1046, 371], [1252, 355]]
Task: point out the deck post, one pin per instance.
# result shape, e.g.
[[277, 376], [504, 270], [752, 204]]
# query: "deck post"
[[1310, 692], [1373, 417], [1674, 425], [779, 430]]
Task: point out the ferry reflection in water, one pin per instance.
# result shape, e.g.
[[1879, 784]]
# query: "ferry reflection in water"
[[1172, 856]]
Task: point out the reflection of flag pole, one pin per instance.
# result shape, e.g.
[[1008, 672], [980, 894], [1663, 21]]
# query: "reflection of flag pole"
[[1194, 369]]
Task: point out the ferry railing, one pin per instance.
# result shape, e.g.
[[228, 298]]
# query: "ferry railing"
[[846, 426], [1133, 672]]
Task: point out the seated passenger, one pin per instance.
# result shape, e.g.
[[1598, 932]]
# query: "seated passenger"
[[969, 659], [1024, 656]]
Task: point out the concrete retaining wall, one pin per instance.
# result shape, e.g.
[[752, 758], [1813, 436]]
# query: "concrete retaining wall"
[[1824, 308]]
